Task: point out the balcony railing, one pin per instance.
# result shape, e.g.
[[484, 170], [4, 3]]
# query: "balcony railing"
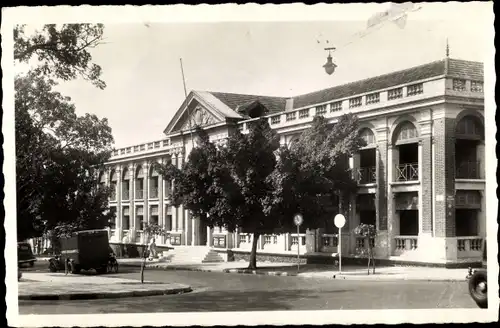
[[367, 175], [407, 172], [406, 243], [468, 170], [153, 193], [139, 194]]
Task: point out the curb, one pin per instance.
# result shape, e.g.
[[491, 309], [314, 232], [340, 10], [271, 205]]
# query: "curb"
[[117, 294], [301, 275]]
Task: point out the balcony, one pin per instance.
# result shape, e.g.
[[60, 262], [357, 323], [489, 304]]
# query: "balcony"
[[468, 170], [153, 193], [367, 175], [407, 172], [139, 194]]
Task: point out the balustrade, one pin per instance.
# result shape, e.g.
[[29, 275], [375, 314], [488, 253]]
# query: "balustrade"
[[469, 246], [367, 175], [405, 244], [407, 172], [468, 170]]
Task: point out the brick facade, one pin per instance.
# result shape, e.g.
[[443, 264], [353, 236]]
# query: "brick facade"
[[426, 181], [444, 177], [381, 196]]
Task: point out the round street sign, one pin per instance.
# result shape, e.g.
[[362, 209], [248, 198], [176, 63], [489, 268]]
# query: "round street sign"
[[298, 219], [339, 220]]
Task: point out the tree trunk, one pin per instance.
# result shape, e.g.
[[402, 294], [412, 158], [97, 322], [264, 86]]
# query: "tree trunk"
[[143, 263], [373, 259], [253, 253]]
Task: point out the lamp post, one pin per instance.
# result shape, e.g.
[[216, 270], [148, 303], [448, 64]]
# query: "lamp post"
[[339, 221], [298, 219], [330, 65]]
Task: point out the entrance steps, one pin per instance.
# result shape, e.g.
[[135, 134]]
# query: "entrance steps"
[[191, 254]]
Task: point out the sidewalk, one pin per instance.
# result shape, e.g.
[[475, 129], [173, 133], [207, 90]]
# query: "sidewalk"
[[384, 273], [58, 286]]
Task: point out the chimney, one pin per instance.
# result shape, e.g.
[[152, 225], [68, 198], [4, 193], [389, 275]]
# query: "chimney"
[[289, 104]]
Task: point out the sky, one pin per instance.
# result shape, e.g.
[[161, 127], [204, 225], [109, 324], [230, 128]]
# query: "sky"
[[141, 64]]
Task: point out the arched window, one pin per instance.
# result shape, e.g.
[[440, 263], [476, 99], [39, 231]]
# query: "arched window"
[[469, 127], [125, 175], [139, 173], [102, 178], [406, 132], [367, 135], [114, 176]]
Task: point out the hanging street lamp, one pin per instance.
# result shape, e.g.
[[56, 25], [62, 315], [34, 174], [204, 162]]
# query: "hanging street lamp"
[[330, 65]]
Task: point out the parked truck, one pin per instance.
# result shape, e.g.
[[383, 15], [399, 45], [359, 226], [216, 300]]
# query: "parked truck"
[[84, 250]]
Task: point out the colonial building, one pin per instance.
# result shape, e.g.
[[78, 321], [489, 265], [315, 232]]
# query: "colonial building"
[[421, 176]]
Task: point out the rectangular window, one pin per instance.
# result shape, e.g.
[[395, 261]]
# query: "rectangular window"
[[395, 94], [336, 106], [373, 98], [414, 89], [355, 102], [321, 110], [476, 86], [458, 85]]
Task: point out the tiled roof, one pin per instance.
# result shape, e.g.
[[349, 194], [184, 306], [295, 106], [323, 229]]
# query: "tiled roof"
[[456, 68], [233, 100], [466, 69], [372, 84]]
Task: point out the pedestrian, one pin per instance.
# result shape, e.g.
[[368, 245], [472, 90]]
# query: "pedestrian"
[[152, 249]]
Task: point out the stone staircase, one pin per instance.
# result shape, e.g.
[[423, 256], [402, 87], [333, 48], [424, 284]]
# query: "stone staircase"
[[191, 254]]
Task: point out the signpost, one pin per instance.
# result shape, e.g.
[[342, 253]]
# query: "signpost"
[[339, 221], [298, 219]]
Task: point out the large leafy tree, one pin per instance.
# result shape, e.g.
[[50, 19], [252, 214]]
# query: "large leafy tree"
[[312, 176], [226, 185], [252, 184], [58, 153]]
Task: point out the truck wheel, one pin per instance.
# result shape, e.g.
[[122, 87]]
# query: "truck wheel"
[[52, 267], [478, 289]]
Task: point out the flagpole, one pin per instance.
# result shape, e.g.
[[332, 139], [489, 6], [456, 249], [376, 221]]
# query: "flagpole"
[[189, 112]]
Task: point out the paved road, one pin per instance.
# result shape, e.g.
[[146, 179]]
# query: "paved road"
[[239, 292]]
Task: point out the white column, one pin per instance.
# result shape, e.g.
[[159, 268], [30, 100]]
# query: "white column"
[[209, 236], [194, 231], [433, 161], [119, 211], [187, 227], [390, 167]]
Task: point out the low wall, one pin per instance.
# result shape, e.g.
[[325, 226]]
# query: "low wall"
[[133, 250]]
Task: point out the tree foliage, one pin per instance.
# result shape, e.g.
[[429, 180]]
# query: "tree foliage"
[[253, 184], [62, 51], [313, 173], [58, 153]]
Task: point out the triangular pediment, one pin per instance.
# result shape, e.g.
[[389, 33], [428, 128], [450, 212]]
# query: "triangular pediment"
[[198, 111]]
